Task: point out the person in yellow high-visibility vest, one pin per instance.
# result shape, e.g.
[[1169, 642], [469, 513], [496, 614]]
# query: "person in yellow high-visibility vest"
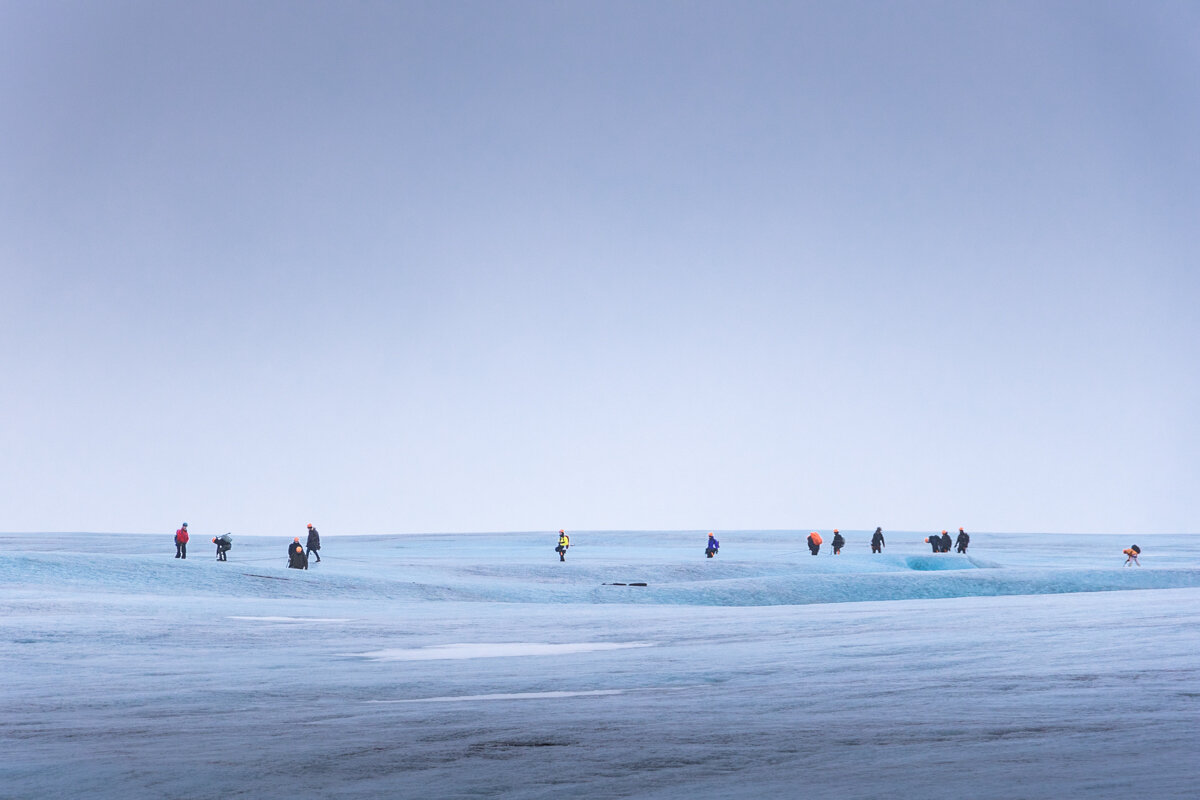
[[564, 542]]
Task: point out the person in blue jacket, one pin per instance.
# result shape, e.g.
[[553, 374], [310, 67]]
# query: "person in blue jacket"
[[712, 547]]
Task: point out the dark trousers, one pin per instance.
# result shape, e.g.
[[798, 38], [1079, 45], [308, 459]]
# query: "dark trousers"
[[180, 549], [814, 548], [876, 548], [308, 553], [221, 551]]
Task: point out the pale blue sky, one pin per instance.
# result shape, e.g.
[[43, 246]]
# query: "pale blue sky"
[[439, 266]]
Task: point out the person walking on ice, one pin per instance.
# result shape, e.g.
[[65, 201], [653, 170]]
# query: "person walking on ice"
[[564, 542], [838, 542], [181, 540], [877, 541], [814, 542], [712, 547], [314, 543], [223, 543], [962, 541], [1131, 555]]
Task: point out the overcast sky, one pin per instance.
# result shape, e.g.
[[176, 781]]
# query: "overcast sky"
[[391, 267]]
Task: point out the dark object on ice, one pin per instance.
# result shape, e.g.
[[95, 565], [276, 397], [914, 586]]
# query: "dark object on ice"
[[181, 540], [946, 543], [223, 543], [314, 543], [962, 541], [712, 547], [296, 557], [877, 541], [622, 584], [564, 542], [814, 542], [838, 542]]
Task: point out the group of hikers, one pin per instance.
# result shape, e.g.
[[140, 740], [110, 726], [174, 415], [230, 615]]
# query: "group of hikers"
[[941, 544], [299, 554]]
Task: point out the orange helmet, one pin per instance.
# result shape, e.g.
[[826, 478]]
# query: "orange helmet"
[[296, 539]]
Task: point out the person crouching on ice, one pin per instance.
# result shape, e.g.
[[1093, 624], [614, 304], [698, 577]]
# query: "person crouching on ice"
[[1131, 555], [935, 542], [712, 547], [838, 542], [564, 542], [223, 544], [814, 542], [296, 559]]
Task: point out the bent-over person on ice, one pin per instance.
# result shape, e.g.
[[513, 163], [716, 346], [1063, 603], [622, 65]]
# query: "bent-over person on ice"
[[1131, 555], [296, 557]]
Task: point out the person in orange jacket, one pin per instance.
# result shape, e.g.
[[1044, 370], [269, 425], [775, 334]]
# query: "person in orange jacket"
[[1131, 555], [814, 542]]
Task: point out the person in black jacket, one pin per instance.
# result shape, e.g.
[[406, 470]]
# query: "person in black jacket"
[[946, 543], [223, 543], [963, 540], [877, 541], [314, 543], [838, 542], [935, 542], [296, 557]]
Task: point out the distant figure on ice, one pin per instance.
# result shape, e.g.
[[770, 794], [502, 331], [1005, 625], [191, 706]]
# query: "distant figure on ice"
[[962, 541], [296, 557], [946, 543], [935, 542], [1131, 555], [314, 543], [877, 541], [712, 547], [223, 543], [814, 542], [564, 542], [838, 542], [181, 540]]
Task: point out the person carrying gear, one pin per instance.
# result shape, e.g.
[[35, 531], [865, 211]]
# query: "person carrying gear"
[[935, 542], [712, 547], [223, 543], [814, 542], [314, 543], [946, 543], [877, 541], [564, 542], [181, 540], [962, 541], [838, 542], [296, 557], [1131, 555]]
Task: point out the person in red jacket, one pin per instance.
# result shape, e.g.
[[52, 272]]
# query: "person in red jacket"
[[181, 540]]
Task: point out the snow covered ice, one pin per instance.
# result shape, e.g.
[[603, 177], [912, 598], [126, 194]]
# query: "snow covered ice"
[[1036, 666]]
